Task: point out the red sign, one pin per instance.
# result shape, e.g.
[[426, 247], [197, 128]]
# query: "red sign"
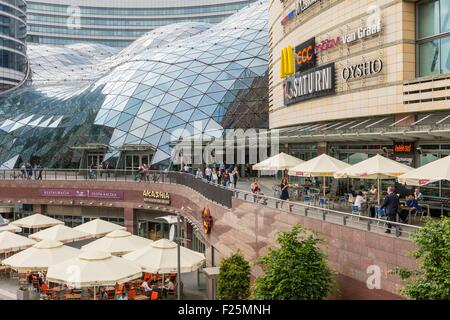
[[424, 182], [403, 147], [81, 193]]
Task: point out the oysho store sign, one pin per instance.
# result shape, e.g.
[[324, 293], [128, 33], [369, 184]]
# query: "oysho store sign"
[[362, 70], [311, 84]]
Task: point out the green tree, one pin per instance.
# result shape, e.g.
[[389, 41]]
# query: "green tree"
[[234, 278], [296, 271], [431, 281]]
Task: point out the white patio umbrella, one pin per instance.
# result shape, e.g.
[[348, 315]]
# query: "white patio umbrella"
[[377, 167], [9, 227], [60, 233], [93, 269], [321, 166], [98, 228], [11, 242], [41, 256], [429, 173], [161, 257], [118, 242], [36, 221], [281, 161]]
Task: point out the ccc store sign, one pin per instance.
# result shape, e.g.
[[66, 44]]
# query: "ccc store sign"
[[303, 57]]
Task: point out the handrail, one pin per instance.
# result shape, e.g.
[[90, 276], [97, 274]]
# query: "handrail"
[[217, 193]]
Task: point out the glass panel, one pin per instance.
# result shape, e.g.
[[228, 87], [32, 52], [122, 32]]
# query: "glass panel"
[[445, 15], [445, 55], [429, 58], [428, 19]]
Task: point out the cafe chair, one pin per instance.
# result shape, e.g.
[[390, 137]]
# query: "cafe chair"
[[307, 200], [323, 202], [154, 295], [380, 214], [356, 210]]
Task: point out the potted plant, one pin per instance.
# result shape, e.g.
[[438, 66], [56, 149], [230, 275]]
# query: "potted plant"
[[23, 293]]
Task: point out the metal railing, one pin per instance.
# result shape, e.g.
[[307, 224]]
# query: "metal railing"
[[217, 193]]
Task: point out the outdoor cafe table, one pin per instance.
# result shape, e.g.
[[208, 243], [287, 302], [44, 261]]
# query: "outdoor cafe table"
[[140, 297], [72, 296]]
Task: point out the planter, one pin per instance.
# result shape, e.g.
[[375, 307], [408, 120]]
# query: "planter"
[[23, 295]]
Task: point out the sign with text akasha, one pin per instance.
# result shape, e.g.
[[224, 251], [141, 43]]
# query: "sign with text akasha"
[[159, 197]]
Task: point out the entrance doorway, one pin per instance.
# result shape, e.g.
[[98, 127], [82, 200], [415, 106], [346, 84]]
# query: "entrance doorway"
[[134, 161], [94, 159]]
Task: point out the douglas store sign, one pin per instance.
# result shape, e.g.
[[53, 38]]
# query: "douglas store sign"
[[301, 7]]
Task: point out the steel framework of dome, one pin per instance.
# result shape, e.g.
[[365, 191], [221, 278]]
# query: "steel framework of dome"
[[167, 85]]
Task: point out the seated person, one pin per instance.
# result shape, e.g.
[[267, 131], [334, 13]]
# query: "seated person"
[[122, 296], [411, 206], [418, 195], [169, 286], [360, 201], [351, 191], [373, 190], [146, 287]]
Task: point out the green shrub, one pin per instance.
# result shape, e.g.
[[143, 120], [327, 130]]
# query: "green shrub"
[[296, 271], [234, 278], [431, 281]]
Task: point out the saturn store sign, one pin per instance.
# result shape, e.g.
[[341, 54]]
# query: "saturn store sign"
[[314, 83], [157, 197]]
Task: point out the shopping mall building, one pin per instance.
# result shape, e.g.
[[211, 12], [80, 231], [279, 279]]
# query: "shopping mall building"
[[355, 78], [116, 23]]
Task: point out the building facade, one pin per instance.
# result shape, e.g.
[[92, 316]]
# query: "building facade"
[[13, 31], [357, 78], [114, 22], [88, 103]]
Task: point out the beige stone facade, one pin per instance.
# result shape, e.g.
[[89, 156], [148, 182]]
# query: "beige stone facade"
[[395, 90]]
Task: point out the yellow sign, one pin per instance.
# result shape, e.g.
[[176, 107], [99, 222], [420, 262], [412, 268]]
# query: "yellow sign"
[[287, 62], [156, 197], [207, 220]]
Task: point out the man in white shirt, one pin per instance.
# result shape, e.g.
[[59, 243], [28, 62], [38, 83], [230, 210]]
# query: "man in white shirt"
[[359, 200], [146, 287], [208, 173]]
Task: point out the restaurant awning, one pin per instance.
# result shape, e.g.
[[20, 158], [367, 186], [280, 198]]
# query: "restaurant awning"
[[98, 227], [10, 242], [321, 166], [60, 233], [280, 161]]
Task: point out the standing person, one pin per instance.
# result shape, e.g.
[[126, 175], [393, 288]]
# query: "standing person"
[[41, 168], [208, 173], [29, 170], [199, 173], [231, 176], [186, 168], [226, 178], [146, 172], [235, 176], [219, 176], [214, 176], [35, 170], [248, 171], [284, 190], [23, 170], [391, 204]]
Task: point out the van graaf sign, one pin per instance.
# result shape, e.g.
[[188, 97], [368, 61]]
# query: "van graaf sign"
[[362, 32], [156, 197], [317, 82], [362, 70]]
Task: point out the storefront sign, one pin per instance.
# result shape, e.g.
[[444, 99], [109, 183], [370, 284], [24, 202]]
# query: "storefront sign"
[[327, 44], [362, 33], [207, 220], [301, 7], [156, 197], [315, 83], [305, 56], [403, 147], [362, 70], [287, 64], [81, 193]]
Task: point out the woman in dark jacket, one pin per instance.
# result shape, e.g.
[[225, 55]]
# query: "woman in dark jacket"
[[284, 190]]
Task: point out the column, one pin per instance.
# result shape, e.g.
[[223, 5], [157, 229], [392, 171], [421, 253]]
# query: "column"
[[39, 208], [130, 218], [322, 147]]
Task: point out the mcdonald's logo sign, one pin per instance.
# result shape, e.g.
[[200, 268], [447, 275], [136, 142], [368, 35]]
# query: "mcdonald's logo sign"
[[287, 64]]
